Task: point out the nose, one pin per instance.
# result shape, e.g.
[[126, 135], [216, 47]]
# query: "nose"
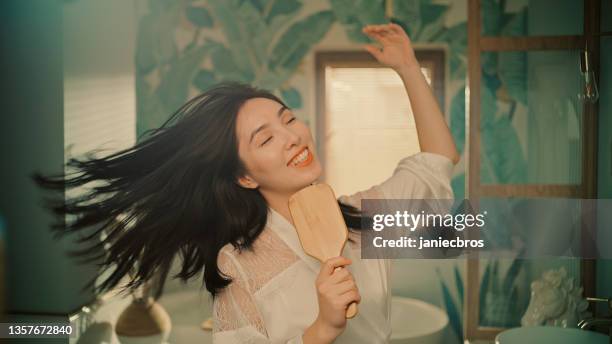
[[293, 139]]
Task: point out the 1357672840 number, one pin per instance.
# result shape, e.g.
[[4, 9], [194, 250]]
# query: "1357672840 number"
[[35, 330]]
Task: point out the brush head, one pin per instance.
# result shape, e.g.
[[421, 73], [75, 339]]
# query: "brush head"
[[320, 225], [318, 221]]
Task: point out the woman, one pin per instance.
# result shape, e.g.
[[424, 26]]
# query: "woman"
[[212, 185]]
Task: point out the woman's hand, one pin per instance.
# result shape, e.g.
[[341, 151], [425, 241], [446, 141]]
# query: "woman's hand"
[[397, 52], [336, 289]]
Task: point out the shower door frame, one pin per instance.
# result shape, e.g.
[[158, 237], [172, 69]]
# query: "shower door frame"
[[474, 190]]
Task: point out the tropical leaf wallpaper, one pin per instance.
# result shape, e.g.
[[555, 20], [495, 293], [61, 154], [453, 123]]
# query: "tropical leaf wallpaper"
[[262, 43], [184, 47]]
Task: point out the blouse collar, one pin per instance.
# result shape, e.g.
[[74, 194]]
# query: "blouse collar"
[[288, 234]]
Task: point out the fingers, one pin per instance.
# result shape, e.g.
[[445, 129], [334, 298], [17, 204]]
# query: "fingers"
[[339, 275], [381, 33], [383, 30], [333, 263], [380, 29], [346, 286], [342, 288], [397, 28], [373, 50], [388, 26], [375, 32], [350, 296]]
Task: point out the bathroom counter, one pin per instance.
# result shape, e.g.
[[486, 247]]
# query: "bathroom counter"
[[187, 310]]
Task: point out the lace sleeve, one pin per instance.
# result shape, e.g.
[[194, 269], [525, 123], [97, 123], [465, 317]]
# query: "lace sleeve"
[[236, 318]]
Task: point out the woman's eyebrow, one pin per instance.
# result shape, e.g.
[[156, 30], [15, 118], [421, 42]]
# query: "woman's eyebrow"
[[263, 126], [280, 111]]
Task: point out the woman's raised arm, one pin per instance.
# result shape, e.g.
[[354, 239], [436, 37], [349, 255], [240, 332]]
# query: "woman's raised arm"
[[397, 53]]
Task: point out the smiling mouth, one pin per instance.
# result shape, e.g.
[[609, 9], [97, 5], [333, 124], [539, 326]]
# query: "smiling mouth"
[[304, 158]]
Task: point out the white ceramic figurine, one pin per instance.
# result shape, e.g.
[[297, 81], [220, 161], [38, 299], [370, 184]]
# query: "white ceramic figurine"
[[555, 301]]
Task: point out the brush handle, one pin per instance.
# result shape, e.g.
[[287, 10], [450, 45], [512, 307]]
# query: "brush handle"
[[351, 310]]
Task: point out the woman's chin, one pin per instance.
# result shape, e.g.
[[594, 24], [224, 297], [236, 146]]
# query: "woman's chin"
[[315, 172], [307, 181]]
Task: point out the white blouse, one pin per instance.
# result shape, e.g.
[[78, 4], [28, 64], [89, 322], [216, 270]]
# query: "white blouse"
[[273, 299]]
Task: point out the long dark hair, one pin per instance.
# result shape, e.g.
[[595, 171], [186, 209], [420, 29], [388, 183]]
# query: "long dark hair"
[[174, 192]]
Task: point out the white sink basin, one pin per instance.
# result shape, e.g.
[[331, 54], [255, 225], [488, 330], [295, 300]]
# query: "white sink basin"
[[550, 334], [415, 321]]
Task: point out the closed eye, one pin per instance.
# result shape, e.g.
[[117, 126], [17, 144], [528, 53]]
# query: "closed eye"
[[291, 120], [266, 141]]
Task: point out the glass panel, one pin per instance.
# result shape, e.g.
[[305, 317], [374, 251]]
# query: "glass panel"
[[606, 19], [531, 17], [530, 118], [604, 158], [505, 287], [604, 182]]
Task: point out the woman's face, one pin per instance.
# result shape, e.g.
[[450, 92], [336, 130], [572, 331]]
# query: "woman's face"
[[276, 148]]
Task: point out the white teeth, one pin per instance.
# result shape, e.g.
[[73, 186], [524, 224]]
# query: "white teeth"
[[300, 158]]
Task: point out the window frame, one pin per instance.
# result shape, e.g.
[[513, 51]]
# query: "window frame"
[[435, 58]]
